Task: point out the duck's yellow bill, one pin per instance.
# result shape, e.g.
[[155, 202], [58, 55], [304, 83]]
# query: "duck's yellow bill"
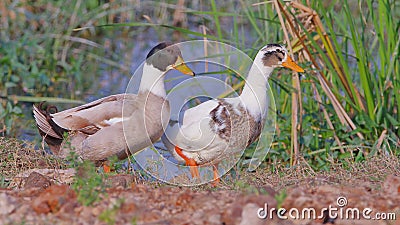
[[292, 65], [182, 67]]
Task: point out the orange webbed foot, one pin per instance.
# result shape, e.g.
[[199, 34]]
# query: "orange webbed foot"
[[106, 167], [216, 180], [194, 170]]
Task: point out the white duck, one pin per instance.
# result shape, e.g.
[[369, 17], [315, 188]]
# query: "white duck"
[[96, 130], [219, 128]]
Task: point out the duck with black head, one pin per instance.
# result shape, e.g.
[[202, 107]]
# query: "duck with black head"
[[97, 130]]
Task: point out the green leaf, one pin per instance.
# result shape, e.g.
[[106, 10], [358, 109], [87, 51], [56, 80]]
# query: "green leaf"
[[10, 84]]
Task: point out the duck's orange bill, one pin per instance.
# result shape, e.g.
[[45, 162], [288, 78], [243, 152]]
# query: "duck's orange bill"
[[292, 65], [182, 67]]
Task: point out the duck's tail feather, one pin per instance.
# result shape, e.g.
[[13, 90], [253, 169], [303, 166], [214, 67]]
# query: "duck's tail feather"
[[48, 129]]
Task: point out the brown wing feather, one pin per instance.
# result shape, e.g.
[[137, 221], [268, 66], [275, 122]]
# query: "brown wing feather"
[[92, 114], [50, 131]]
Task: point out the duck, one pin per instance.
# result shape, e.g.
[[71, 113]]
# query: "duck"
[[120, 124], [220, 128]]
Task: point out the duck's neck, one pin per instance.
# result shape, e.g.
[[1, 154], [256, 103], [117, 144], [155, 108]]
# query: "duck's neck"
[[152, 81], [254, 94]]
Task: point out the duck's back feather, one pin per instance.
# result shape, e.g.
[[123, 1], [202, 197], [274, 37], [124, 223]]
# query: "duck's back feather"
[[94, 115]]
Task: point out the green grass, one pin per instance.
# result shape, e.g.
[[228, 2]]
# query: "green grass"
[[362, 88], [109, 215], [88, 184], [348, 99], [42, 58]]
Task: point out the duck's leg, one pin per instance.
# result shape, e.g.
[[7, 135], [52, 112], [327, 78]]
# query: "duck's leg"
[[106, 166], [194, 170], [216, 177]]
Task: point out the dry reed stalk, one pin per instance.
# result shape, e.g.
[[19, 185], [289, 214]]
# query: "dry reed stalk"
[[295, 12]]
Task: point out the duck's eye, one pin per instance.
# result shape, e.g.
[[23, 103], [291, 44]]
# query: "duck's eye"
[[280, 59]]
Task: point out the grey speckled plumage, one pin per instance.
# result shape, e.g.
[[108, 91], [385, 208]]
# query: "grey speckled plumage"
[[225, 115]]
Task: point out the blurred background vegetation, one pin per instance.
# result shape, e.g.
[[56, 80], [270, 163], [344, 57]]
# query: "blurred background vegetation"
[[344, 108]]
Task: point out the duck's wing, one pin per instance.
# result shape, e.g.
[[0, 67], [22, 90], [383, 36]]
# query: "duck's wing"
[[199, 112], [95, 115], [195, 132]]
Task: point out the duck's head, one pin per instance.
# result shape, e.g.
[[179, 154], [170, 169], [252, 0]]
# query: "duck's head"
[[275, 55], [166, 56]]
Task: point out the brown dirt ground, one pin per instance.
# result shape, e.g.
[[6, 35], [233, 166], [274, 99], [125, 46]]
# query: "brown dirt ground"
[[40, 193]]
